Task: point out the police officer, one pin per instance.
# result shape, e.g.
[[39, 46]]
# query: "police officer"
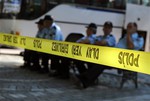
[[107, 39], [90, 34], [31, 58], [27, 59], [88, 77], [51, 32], [35, 56], [88, 39], [40, 25], [131, 40]]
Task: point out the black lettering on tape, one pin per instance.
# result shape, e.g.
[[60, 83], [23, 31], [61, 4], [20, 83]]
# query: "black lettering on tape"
[[88, 53], [92, 53], [136, 61], [127, 55], [60, 47], [76, 50], [126, 58], [15, 40], [97, 53], [37, 43], [130, 59], [4, 37], [23, 41], [120, 57], [7, 38], [53, 46]]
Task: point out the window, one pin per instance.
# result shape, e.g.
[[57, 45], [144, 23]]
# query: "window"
[[146, 2], [30, 9]]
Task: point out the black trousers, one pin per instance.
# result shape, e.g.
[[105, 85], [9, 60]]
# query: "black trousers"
[[83, 66], [89, 77], [35, 58], [66, 63], [80, 66], [30, 57], [55, 61], [63, 70], [27, 57], [45, 60]]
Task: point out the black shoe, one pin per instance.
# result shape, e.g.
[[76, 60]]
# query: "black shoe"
[[43, 71], [54, 74], [63, 77], [119, 71], [84, 83], [77, 82], [25, 66], [22, 66], [35, 68]]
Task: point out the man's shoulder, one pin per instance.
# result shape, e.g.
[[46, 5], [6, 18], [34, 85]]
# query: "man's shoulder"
[[45, 29], [93, 36], [56, 26], [99, 36], [111, 35]]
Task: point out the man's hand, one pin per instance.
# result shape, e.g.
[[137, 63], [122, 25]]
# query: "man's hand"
[[129, 39], [130, 31], [101, 43], [86, 41]]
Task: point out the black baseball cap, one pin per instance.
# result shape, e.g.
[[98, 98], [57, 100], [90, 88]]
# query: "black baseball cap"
[[92, 25], [108, 23], [40, 22], [48, 17]]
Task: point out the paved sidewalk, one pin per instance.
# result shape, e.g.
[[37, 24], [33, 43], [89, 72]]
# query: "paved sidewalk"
[[18, 84]]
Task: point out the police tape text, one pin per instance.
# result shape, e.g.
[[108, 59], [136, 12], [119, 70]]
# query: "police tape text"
[[126, 58]]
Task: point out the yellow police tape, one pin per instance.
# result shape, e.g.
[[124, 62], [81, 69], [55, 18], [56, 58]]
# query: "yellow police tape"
[[120, 58]]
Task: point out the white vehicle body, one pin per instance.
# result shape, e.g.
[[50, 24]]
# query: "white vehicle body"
[[73, 19]]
